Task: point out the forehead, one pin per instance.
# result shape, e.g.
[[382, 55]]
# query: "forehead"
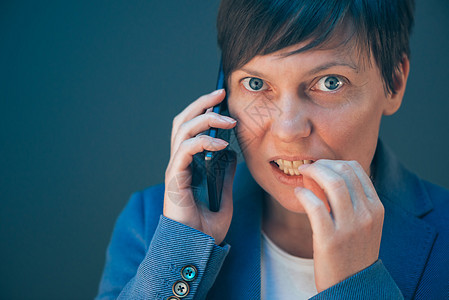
[[344, 42], [344, 45]]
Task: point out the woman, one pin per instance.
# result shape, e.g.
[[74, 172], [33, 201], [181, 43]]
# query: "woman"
[[320, 208]]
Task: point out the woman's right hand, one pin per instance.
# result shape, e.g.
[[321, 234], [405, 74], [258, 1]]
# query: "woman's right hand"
[[186, 141]]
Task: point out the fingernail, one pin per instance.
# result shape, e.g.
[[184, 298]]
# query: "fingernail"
[[302, 167], [220, 142], [217, 92], [227, 119]]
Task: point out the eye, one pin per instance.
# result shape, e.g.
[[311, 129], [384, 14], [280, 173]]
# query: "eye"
[[254, 84], [329, 83]]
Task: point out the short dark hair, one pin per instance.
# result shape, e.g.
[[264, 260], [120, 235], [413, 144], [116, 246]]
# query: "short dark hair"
[[247, 28]]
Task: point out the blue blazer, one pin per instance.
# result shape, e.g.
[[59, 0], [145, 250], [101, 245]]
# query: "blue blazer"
[[148, 251]]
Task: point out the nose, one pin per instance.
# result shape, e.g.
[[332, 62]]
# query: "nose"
[[293, 122]]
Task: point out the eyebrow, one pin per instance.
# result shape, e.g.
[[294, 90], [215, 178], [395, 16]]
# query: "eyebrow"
[[332, 64], [313, 71], [252, 72]]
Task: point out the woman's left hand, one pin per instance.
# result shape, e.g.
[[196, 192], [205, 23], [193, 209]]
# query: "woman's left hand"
[[346, 240]]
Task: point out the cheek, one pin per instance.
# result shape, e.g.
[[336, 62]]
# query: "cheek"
[[253, 115], [352, 132], [363, 124], [244, 133], [360, 114]]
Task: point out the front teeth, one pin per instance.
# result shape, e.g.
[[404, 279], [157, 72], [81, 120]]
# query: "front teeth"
[[291, 167]]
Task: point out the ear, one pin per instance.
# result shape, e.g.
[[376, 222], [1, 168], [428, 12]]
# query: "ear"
[[394, 100]]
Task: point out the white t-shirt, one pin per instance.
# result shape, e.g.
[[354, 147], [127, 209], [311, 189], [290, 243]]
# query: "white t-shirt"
[[285, 276]]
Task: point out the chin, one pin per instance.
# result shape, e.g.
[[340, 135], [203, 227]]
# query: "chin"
[[288, 200]]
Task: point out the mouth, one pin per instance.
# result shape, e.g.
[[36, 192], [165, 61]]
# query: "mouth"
[[289, 167]]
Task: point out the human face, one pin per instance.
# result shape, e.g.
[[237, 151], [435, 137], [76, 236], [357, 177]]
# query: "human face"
[[318, 104]]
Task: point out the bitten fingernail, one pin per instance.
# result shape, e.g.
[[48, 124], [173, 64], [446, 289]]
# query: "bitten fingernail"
[[303, 166]]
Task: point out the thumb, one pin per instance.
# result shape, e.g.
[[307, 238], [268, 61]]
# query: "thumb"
[[311, 184]]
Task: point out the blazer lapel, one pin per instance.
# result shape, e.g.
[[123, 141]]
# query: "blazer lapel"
[[406, 239], [405, 247]]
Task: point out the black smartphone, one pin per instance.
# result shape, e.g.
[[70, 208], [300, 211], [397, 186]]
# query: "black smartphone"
[[208, 167]]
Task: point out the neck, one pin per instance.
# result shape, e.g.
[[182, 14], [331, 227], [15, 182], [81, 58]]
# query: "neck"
[[288, 230]]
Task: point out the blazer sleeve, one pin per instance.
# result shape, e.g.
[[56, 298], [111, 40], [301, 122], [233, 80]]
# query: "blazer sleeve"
[[373, 282], [146, 266]]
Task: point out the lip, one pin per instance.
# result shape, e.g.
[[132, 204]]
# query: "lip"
[[291, 180]]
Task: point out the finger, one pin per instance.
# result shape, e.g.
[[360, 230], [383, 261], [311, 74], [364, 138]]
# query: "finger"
[[355, 188], [197, 108], [365, 180], [311, 184], [334, 186], [316, 211], [199, 124], [182, 158], [373, 203]]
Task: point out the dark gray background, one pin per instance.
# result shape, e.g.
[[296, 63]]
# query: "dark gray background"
[[88, 90]]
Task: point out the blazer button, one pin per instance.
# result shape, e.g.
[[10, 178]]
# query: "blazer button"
[[181, 288], [189, 273]]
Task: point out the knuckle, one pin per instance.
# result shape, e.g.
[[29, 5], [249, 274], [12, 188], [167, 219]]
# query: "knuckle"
[[356, 165], [337, 183], [176, 119], [181, 127], [206, 141], [183, 145], [367, 221], [177, 122], [213, 118], [203, 138], [370, 222], [380, 210], [342, 167]]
